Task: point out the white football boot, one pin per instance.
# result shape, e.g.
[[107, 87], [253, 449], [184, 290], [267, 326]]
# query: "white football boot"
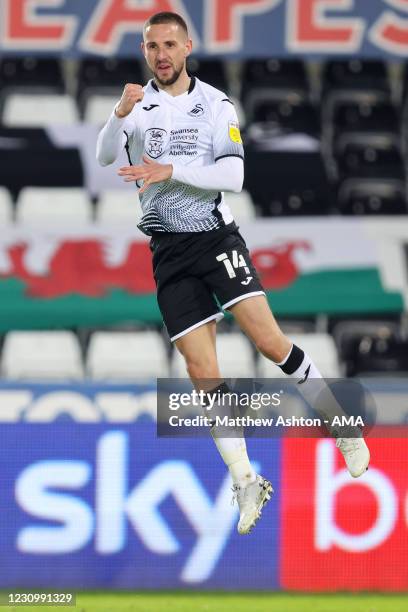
[[251, 499], [356, 454]]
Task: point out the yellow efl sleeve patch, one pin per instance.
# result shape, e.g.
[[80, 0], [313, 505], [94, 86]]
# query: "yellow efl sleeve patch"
[[234, 132]]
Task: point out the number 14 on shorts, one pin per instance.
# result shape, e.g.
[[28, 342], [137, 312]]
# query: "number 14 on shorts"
[[236, 261]]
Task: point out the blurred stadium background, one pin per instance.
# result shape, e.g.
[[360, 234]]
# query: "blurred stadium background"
[[90, 498]]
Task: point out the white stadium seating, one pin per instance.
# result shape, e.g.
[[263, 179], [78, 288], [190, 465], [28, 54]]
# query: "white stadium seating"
[[126, 356], [235, 355], [319, 346], [178, 365], [241, 206], [6, 207], [39, 110], [119, 206], [98, 108], [57, 205], [40, 355]]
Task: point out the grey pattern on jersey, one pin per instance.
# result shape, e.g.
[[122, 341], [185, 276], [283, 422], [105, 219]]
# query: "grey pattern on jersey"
[[172, 206], [175, 207], [232, 149]]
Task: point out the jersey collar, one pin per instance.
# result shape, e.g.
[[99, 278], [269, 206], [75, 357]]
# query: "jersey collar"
[[190, 89], [192, 84]]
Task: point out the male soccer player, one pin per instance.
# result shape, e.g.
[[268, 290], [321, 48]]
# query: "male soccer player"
[[184, 147]]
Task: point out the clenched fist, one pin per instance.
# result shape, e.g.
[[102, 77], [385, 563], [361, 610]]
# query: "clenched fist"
[[131, 95]]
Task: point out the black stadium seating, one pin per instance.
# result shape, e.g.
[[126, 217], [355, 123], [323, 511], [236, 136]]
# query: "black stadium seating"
[[307, 141], [273, 80], [276, 74], [375, 155], [105, 76], [312, 148], [291, 115], [270, 180], [384, 355], [30, 159], [210, 71], [109, 72], [362, 196], [355, 74], [31, 73], [363, 116]]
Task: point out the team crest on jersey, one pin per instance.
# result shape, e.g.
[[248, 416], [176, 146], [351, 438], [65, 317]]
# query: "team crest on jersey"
[[234, 132], [197, 111], [154, 142]]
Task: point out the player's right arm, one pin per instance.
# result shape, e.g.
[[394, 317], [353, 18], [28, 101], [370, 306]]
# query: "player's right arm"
[[112, 137]]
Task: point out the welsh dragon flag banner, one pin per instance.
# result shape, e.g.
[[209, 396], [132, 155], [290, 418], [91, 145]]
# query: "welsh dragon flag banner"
[[95, 275]]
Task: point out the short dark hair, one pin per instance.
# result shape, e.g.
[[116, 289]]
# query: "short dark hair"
[[165, 17]]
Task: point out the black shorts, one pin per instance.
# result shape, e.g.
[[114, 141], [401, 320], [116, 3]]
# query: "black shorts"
[[192, 270]]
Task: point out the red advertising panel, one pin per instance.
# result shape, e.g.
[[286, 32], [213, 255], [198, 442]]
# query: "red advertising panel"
[[341, 533], [244, 28]]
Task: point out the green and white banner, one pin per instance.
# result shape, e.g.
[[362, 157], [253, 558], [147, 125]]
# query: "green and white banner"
[[95, 275]]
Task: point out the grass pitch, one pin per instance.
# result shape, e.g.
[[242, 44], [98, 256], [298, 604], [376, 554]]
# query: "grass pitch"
[[228, 602]]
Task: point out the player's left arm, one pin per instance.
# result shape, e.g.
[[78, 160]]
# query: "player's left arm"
[[227, 174], [227, 171]]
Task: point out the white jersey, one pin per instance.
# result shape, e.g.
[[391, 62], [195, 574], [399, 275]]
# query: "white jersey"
[[194, 129]]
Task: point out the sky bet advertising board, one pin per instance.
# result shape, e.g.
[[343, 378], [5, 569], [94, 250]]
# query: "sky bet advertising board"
[[90, 497], [89, 506]]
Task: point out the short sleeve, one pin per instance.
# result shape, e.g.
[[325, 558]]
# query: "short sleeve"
[[227, 139]]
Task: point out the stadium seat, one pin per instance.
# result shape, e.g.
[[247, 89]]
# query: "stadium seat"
[[365, 115], [348, 336], [292, 326], [39, 110], [371, 196], [387, 356], [52, 355], [98, 108], [30, 158], [357, 111], [126, 356], [288, 183], [370, 155], [268, 369], [33, 73], [6, 207], [111, 72], [41, 167], [355, 74], [319, 346], [289, 115], [105, 77], [241, 205], [273, 79], [119, 206], [209, 70], [275, 74], [178, 365], [54, 205], [391, 408], [235, 355]]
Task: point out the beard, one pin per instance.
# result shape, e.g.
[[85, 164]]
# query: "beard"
[[170, 80]]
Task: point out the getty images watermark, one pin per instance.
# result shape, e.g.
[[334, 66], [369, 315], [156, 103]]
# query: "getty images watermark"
[[262, 408]]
